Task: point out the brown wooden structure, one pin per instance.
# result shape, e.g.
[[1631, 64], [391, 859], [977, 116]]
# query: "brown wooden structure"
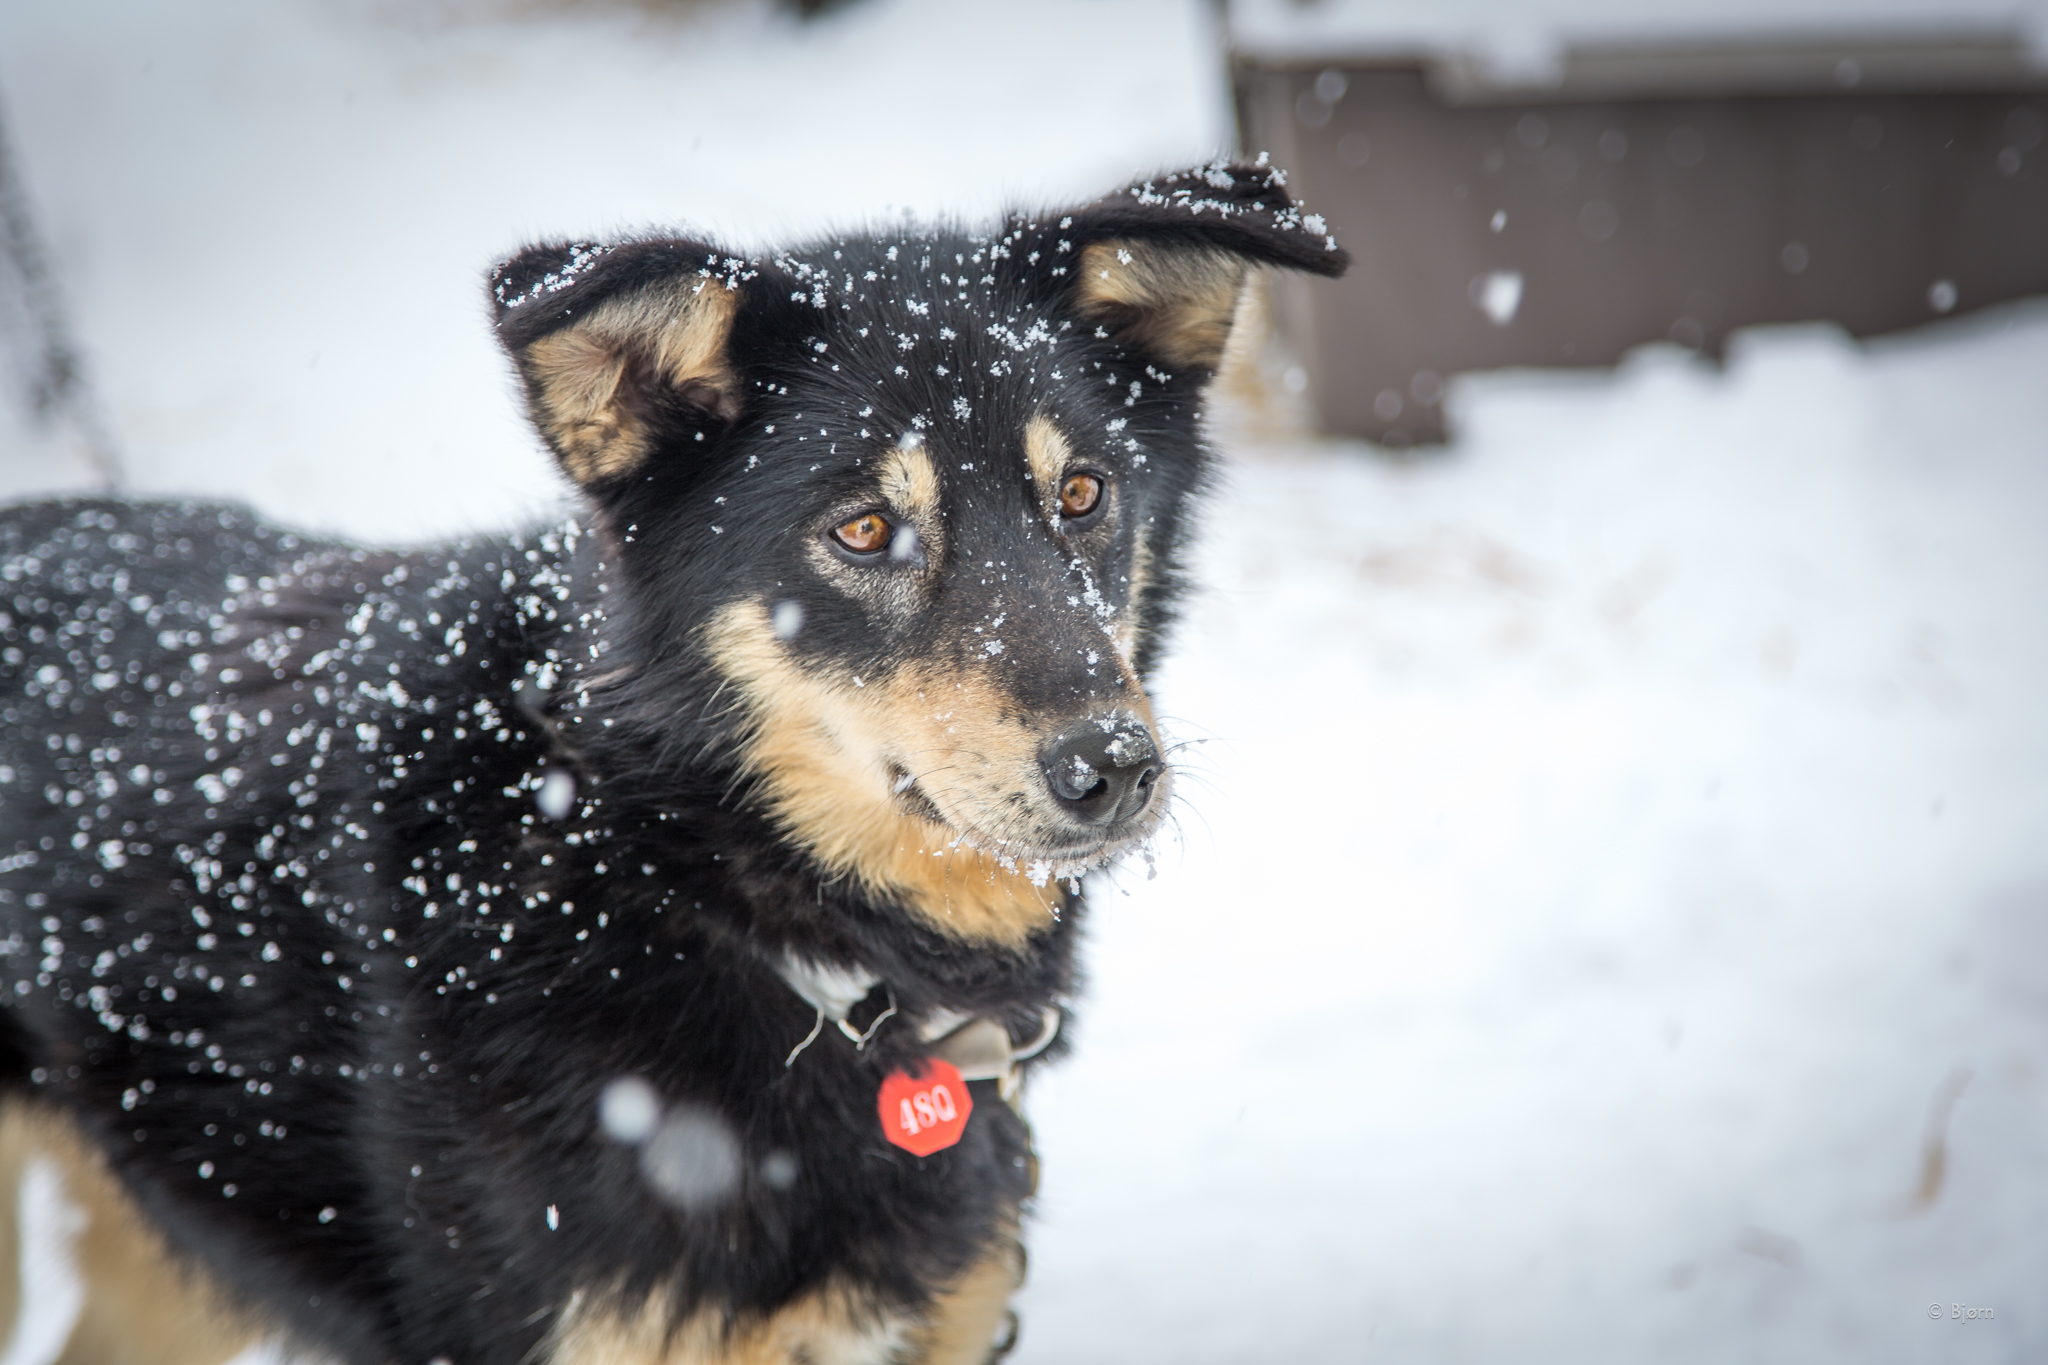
[[1642, 195]]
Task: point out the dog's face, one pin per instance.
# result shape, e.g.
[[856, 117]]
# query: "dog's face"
[[913, 504]]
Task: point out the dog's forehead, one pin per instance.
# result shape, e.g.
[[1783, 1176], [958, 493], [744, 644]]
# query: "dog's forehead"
[[932, 343], [883, 267], [907, 307]]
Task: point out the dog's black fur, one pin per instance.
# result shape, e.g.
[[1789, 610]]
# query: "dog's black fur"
[[289, 939]]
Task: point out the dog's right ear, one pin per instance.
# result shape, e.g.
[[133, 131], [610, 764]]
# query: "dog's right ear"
[[621, 348]]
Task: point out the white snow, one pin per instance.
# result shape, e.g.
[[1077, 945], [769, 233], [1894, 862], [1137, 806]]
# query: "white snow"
[[556, 796], [51, 1295], [629, 1110], [1619, 835], [1612, 870], [1499, 296]]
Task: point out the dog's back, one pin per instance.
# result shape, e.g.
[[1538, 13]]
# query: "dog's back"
[[173, 779]]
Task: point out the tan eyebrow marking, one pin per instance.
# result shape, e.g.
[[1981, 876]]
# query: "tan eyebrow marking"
[[1047, 453], [911, 481]]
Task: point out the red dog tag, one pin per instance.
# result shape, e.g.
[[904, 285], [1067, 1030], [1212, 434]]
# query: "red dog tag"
[[927, 1112]]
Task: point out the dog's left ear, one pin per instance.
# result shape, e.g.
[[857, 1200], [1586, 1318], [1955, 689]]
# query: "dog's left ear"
[[1160, 264], [624, 350]]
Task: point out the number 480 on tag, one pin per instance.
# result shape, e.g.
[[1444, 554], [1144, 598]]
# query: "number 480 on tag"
[[926, 1112]]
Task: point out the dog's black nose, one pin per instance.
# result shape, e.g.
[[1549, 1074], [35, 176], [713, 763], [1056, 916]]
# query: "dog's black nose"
[[1103, 770]]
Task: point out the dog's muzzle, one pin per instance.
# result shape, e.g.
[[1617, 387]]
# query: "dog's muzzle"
[[1103, 770]]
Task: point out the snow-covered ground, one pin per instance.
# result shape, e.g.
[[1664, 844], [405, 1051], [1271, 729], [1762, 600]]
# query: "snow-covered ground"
[[1609, 921], [1622, 831]]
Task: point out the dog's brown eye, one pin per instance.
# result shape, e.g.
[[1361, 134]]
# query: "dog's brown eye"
[[1079, 494], [865, 534]]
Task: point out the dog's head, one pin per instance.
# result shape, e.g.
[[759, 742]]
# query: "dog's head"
[[910, 506]]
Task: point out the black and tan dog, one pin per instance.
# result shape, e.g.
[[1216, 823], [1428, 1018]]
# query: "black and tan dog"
[[620, 943]]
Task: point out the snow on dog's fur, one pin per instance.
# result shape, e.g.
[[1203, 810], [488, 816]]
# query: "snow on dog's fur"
[[424, 952]]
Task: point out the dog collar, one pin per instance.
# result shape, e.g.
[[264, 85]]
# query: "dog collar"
[[982, 1050], [978, 1045], [832, 991]]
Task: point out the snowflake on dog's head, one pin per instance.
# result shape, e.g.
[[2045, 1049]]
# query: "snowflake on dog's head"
[[1184, 190], [512, 292]]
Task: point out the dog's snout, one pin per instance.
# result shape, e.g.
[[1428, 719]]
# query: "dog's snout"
[[1103, 771]]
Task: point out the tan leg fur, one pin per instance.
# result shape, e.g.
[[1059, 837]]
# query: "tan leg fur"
[[142, 1307], [829, 1327], [963, 1323]]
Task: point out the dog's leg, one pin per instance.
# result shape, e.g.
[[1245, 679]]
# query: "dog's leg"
[[14, 1157], [142, 1307], [829, 1327], [822, 1328], [962, 1325]]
